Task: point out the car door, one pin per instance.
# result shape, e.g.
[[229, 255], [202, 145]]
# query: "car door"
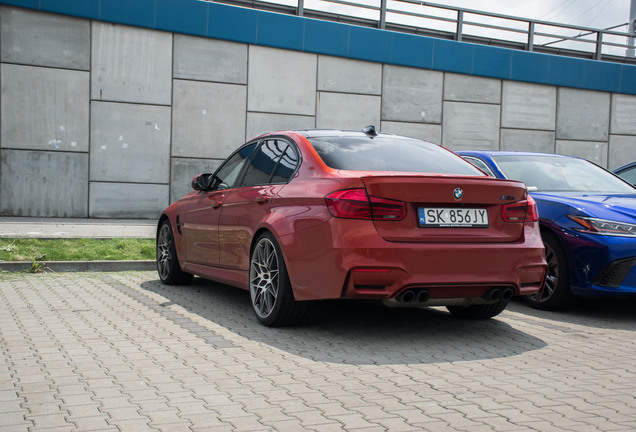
[[201, 219], [271, 167]]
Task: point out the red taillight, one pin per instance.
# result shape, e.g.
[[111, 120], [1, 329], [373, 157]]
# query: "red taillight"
[[355, 204], [521, 211]]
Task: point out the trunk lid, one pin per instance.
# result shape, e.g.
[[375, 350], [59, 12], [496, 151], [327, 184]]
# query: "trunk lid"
[[449, 209]]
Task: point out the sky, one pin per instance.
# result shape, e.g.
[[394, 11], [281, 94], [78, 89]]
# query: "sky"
[[596, 14], [586, 13]]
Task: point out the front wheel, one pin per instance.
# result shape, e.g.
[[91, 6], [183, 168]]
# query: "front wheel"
[[170, 272], [270, 290], [555, 293]]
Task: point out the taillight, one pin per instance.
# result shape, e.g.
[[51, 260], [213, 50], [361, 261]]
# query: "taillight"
[[355, 204], [520, 211]]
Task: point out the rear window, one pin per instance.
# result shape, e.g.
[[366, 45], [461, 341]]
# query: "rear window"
[[389, 153]]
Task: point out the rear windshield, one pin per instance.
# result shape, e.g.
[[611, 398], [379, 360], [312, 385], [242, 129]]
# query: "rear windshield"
[[389, 153]]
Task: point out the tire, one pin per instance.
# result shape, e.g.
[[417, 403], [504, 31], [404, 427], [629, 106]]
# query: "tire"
[[271, 293], [483, 311], [555, 293], [170, 272]]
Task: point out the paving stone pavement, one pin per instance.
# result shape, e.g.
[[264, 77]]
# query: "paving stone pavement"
[[122, 352]]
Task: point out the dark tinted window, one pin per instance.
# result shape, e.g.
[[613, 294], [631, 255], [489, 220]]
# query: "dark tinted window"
[[273, 162], [228, 172], [286, 166], [389, 153]]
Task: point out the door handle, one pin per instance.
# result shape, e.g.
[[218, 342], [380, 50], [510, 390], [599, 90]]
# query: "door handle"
[[262, 199], [216, 204]]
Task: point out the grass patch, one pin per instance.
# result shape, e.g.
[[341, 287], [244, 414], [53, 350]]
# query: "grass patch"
[[80, 249]]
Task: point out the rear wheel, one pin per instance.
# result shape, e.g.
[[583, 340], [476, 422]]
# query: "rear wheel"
[[555, 293], [168, 267], [484, 311], [270, 290]]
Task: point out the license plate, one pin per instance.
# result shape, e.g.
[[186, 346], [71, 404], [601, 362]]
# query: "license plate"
[[452, 217]]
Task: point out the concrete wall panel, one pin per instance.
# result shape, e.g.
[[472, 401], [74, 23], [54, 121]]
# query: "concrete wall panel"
[[349, 76], [593, 151], [183, 171], [347, 111], [125, 200], [130, 143], [412, 95], [43, 184], [464, 88], [257, 123], [623, 114], [527, 140], [208, 119], [39, 39], [209, 60], [426, 132], [583, 115], [528, 106], [44, 108], [622, 150], [130, 64], [470, 126], [282, 82]]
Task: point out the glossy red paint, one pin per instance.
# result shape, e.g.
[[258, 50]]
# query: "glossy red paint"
[[332, 255]]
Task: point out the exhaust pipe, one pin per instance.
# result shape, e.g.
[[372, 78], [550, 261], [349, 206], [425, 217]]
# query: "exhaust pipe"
[[507, 294], [406, 297], [492, 295], [414, 297], [423, 296]]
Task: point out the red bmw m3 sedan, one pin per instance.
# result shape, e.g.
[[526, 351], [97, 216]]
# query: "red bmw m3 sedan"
[[300, 216]]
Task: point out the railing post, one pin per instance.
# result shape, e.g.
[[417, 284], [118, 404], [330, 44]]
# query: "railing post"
[[599, 45], [460, 25], [631, 30], [301, 8], [382, 24], [530, 46]]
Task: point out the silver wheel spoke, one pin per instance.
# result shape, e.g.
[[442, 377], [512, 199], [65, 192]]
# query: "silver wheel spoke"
[[264, 277], [163, 252]]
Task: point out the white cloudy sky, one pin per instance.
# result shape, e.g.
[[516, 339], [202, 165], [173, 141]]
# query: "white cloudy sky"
[[586, 13], [599, 14]]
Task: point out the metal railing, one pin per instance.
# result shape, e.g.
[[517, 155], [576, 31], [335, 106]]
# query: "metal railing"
[[461, 24]]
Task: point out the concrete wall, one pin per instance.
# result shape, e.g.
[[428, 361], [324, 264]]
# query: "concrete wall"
[[107, 120]]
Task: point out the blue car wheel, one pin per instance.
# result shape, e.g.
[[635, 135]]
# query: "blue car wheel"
[[555, 293]]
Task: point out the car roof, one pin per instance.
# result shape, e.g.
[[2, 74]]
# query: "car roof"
[[312, 133], [509, 153]]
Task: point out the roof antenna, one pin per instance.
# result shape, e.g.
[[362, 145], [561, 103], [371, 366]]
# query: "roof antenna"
[[370, 130]]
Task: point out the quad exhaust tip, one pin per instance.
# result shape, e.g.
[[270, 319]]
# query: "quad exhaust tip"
[[496, 294], [411, 296]]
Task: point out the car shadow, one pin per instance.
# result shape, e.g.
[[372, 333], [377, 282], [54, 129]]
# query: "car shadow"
[[350, 332], [610, 313]]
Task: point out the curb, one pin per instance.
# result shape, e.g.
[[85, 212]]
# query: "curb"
[[81, 266]]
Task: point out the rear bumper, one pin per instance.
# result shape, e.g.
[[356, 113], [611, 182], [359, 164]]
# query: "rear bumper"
[[344, 258]]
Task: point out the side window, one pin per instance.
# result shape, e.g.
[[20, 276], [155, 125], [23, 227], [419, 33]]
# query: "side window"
[[269, 164], [480, 164], [226, 175], [286, 166]]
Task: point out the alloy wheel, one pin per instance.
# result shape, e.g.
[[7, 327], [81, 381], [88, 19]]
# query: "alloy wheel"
[[264, 272], [164, 257]]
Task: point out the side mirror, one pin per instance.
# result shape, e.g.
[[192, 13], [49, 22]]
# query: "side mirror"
[[200, 182]]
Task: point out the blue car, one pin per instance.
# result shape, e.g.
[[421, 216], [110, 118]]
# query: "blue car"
[[588, 223]]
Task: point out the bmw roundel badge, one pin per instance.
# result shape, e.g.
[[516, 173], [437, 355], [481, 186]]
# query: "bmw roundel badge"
[[458, 193]]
